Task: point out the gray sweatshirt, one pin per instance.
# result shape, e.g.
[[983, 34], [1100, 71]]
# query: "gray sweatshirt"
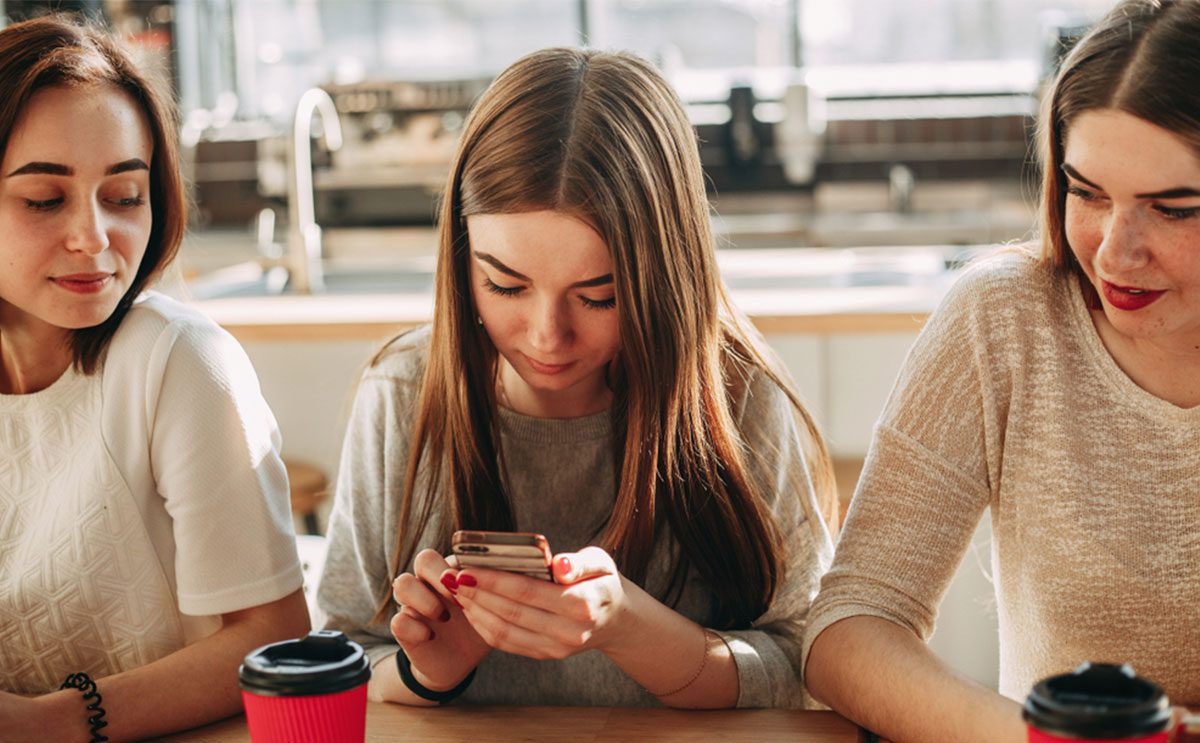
[[561, 484]]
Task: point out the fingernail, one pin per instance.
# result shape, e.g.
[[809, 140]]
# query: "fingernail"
[[449, 582], [445, 617], [467, 580], [564, 566]]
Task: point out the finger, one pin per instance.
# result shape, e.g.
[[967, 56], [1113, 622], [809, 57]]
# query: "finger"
[[418, 596], [410, 630], [587, 563], [553, 624], [431, 567], [510, 638], [514, 586]]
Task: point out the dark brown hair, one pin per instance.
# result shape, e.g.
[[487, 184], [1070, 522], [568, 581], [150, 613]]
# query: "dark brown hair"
[[602, 137], [1143, 59], [62, 50]]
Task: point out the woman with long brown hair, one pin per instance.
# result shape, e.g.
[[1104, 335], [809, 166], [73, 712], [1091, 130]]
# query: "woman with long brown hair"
[[146, 542], [1058, 386], [587, 378]]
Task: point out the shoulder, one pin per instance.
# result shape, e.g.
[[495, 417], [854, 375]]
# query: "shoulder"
[[402, 360], [157, 323], [1010, 280]]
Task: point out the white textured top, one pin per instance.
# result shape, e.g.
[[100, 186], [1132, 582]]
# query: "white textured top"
[[138, 503], [1010, 401]]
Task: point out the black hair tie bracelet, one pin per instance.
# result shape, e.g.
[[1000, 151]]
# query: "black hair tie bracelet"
[[404, 666], [87, 687]]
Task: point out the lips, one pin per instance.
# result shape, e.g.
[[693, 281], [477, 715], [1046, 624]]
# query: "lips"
[[83, 283], [544, 368], [1129, 298]]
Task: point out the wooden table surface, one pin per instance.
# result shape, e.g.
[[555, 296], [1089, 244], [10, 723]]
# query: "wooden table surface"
[[390, 722]]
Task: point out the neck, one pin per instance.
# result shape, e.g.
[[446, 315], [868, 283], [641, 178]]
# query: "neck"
[[1167, 368], [586, 398], [32, 359]]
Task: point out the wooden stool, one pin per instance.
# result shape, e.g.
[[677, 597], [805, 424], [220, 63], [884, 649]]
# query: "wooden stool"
[[308, 489]]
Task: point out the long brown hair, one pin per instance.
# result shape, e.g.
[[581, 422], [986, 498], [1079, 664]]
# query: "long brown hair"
[[602, 137], [1143, 58], [62, 50]]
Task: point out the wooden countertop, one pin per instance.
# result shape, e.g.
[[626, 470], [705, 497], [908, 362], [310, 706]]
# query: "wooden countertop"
[[459, 722]]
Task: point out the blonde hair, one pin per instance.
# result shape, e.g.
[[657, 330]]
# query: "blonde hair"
[[602, 137]]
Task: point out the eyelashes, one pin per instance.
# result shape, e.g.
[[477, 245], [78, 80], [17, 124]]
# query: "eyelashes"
[[512, 291], [1169, 212]]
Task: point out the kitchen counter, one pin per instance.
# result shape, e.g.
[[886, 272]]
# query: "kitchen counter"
[[799, 291]]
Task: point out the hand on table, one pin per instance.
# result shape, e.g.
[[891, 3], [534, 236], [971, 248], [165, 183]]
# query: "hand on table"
[[431, 628], [587, 607]]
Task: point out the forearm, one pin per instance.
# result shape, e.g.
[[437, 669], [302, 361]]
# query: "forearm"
[[883, 677], [192, 686], [666, 652]]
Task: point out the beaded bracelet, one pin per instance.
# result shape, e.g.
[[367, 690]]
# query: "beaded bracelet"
[[404, 666], [87, 687]]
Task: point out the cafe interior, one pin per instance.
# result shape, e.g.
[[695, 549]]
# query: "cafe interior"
[[858, 153]]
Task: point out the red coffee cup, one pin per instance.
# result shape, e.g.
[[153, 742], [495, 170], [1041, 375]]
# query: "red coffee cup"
[[310, 690], [1097, 703]]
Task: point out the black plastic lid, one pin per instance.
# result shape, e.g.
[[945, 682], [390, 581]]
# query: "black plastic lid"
[[1098, 701], [324, 662]]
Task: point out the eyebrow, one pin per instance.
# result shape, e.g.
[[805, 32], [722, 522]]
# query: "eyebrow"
[[44, 168], [1182, 192], [495, 263]]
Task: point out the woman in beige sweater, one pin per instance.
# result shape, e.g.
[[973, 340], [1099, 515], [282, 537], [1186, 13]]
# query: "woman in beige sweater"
[[1059, 387]]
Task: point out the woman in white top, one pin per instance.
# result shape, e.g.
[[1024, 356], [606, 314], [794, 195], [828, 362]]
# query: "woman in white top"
[[145, 533]]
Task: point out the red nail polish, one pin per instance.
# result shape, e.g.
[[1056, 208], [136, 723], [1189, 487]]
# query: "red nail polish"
[[467, 580], [564, 565], [449, 582]]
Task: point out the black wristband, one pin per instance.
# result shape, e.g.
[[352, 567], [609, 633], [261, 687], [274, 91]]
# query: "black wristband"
[[404, 666], [87, 687]]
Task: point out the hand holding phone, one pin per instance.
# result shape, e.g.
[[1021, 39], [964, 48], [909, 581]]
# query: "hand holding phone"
[[525, 553]]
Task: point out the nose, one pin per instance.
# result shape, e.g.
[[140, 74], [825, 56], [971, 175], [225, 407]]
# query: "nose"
[[549, 327], [1124, 245], [87, 231]]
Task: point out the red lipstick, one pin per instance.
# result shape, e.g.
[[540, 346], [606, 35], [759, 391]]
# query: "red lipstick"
[[1129, 298]]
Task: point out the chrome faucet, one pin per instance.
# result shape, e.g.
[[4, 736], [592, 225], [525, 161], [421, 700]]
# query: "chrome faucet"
[[304, 235], [901, 182]]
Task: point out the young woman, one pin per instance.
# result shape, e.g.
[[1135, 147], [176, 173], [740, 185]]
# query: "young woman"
[[1059, 387], [585, 377], [145, 533]]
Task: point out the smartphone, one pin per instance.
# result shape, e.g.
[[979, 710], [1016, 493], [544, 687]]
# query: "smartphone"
[[517, 552]]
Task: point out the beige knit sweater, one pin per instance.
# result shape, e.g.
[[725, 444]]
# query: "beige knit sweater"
[[1009, 400]]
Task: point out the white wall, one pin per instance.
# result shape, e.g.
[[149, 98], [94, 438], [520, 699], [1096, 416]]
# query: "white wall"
[[845, 380]]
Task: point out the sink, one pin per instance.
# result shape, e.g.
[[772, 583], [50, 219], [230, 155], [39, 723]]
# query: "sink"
[[742, 269]]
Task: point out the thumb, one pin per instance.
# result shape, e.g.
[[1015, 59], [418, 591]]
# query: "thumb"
[[587, 563]]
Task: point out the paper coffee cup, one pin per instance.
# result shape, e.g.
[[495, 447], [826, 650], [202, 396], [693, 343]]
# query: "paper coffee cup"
[[310, 690], [1097, 703]]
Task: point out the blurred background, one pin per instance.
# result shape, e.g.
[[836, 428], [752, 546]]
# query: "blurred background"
[[858, 153]]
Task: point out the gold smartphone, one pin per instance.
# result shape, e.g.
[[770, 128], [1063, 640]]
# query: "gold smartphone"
[[517, 552]]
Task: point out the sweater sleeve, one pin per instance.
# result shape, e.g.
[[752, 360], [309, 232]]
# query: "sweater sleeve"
[[768, 654], [363, 525], [929, 473]]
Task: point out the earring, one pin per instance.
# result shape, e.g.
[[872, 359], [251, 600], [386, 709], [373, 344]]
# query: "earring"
[[478, 320]]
